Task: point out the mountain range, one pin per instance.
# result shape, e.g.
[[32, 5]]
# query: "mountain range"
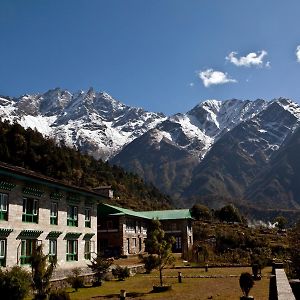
[[245, 151]]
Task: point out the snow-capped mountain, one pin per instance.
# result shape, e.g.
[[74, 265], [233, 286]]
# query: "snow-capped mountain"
[[90, 121], [216, 148]]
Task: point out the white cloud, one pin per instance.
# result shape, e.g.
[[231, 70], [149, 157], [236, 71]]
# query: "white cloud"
[[191, 84], [298, 53], [210, 77], [251, 59]]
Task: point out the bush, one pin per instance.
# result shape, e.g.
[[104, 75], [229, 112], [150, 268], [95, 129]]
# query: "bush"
[[150, 262], [100, 266], [14, 283], [121, 273], [246, 283], [59, 295], [75, 280]]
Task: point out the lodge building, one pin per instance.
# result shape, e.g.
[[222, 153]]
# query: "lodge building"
[[73, 224], [35, 209]]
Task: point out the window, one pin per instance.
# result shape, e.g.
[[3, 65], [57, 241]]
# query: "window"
[[87, 213], [128, 245], [72, 248], [3, 206], [130, 225], [2, 253], [178, 242], [53, 213], [87, 249], [27, 248], [72, 216], [30, 210], [52, 249]]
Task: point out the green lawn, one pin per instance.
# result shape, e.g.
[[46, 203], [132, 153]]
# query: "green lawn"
[[191, 288]]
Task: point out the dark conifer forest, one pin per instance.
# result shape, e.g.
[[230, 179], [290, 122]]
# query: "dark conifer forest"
[[27, 148]]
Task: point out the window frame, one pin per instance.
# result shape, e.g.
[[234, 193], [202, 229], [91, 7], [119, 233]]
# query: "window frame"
[[87, 249], [26, 253], [4, 202], [87, 217], [30, 210], [3, 245], [54, 213], [72, 215], [72, 256], [52, 246]]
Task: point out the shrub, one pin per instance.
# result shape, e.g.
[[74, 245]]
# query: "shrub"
[[246, 283], [100, 266], [121, 273], [150, 262], [14, 283], [75, 280]]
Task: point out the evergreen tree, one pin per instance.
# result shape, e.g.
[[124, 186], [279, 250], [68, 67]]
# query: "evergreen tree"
[[42, 271], [160, 247]]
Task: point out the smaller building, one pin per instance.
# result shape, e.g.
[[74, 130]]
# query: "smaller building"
[[123, 231], [176, 223]]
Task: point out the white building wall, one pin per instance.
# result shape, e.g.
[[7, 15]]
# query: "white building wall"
[[15, 222]]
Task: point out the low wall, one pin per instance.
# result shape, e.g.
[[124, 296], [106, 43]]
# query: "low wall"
[[283, 288]]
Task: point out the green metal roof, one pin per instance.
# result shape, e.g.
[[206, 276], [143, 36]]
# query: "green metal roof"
[[27, 234], [172, 214], [5, 232], [88, 236], [53, 234], [107, 209]]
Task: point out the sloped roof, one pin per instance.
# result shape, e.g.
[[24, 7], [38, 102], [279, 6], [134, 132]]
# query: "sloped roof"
[[171, 214], [107, 209], [22, 173]]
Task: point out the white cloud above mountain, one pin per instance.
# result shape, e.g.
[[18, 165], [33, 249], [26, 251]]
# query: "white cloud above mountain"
[[211, 77], [251, 59]]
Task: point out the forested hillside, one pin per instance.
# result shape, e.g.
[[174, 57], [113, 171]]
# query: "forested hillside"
[[28, 149]]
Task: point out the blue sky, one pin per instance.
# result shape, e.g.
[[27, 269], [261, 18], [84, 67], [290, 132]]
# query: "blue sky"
[[162, 55]]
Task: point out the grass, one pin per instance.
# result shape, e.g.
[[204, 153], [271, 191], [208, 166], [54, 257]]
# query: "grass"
[[140, 286]]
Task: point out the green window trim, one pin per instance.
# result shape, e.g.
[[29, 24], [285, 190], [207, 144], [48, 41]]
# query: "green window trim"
[[52, 250], [72, 216], [54, 213], [53, 235], [7, 186], [72, 250], [3, 215], [33, 191], [30, 210], [3, 244], [27, 248], [3, 207], [87, 217], [87, 249]]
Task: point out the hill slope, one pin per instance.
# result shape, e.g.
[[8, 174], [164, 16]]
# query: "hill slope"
[[27, 148]]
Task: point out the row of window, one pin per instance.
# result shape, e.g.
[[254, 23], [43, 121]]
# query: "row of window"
[[29, 245], [31, 212]]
